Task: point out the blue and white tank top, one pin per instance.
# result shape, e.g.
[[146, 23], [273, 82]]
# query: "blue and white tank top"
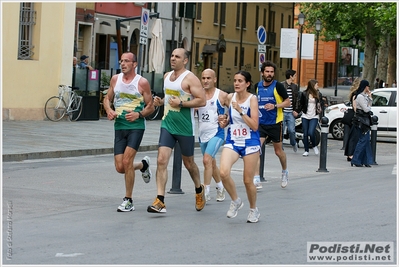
[[239, 133], [208, 119]]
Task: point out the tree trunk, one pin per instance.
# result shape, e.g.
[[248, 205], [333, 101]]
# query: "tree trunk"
[[382, 66], [392, 61], [369, 55]]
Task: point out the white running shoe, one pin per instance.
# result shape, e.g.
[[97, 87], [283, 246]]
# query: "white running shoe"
[[258, 184], [284, 179], [125, 206], [253, 216], [305, 154], [232, 212], [207, 196], [220, 194], [146, 175], [316, 150]]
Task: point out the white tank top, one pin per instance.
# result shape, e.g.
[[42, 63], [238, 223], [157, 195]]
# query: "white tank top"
[[180, 120], [208, 118], [128, 97]]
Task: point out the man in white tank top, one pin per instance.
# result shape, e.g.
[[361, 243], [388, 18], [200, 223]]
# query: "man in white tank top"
[[211, 135], [132, 99], [183, 93]]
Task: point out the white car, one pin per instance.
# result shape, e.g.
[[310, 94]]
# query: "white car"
[[384, 107]]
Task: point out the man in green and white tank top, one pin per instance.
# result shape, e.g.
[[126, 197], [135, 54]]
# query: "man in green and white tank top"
[[183, 93]]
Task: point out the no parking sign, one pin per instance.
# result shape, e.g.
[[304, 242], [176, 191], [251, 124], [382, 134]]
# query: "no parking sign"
[[262, 35], [145, 17], [262, 57]]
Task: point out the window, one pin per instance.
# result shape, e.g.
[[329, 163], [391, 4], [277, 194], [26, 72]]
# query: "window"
[[223, 14], [196, 53], [238, 16], [272, 21], [244, 15], [381, 98], [255, 57], [199, 11], [215, 13], [257, 18], [264, 17], [27, 19], [282, 20], [242, 56], [235, 56]]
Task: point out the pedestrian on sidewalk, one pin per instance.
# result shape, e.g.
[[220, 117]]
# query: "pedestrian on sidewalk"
[[310, 104], [363, 156], [211, 135], [272, 98], [242, 141], [183, 93], [290, 113], [350, 134], [131, 96]]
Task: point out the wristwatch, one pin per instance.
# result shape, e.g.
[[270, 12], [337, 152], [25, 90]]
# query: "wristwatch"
[[140, 115], [242, 113], [181, 104]]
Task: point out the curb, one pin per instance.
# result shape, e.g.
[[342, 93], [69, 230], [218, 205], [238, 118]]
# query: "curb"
[[71, 153]]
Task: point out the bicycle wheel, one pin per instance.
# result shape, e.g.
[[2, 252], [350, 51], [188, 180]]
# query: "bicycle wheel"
[[75, 109], [55, 108], [153, 115]]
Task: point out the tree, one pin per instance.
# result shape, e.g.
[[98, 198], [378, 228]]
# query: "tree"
[[375, 22]]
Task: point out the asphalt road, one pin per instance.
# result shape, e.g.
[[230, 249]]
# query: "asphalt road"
[[63, 211]]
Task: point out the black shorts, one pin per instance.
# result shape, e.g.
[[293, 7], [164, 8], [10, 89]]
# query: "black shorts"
[[273, 132], [127, 138], [169, 140]]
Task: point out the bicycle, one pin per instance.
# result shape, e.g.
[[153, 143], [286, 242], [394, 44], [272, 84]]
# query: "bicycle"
[[56, 107], [153, 115]]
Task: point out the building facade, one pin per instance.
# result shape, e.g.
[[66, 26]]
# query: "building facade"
[[37, 51], [220, 36], [225, 38]]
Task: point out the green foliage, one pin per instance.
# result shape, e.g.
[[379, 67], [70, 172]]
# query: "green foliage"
[[105, 79], [351, 19]]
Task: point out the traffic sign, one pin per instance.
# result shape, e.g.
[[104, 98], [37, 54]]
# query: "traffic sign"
[[145, 18], [261, 48], [261, 34], [262, 57], [143, 40]]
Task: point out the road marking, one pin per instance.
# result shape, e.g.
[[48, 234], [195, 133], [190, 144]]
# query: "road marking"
[[68, 255]]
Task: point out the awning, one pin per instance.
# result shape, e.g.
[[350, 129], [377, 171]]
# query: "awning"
[[209, 49]]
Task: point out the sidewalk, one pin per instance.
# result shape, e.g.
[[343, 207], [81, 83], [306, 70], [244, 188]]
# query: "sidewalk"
[[22, 140]]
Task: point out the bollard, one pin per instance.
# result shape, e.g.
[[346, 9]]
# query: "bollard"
[[176, 173], [373, 139], [323, 145], [262, 163]]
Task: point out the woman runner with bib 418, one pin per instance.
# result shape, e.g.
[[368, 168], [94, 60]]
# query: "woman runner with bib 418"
[[242, 141]]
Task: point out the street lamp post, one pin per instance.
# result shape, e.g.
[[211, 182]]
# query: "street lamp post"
[[353, 56], [301, 21], [336, 77], [318, 28]]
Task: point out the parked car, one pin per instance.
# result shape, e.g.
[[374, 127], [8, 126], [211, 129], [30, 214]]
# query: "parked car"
[[384, 107]]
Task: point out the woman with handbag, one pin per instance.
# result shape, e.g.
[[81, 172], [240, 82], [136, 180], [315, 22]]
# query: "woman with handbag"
[[363, 153], [350, 135], [310, 105]]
